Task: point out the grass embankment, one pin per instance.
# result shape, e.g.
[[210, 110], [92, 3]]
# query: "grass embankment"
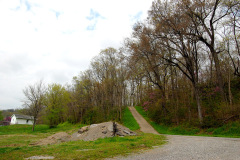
[[227, 130], [15, 140], [129, 121]]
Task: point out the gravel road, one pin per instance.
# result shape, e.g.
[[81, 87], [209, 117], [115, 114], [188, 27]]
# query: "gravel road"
[[188, 147]]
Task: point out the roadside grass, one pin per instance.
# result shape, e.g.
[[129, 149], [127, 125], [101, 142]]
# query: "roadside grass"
[[227, 130], [16, 145], [41, 128], [129, 121], [21, 135]]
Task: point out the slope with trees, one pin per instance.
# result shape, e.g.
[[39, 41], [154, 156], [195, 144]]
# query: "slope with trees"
[[181, 64]]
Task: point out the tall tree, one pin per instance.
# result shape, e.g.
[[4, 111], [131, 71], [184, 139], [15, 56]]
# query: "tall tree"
[[34, 99], [180, 49], [206, 18], [143, 50], [232, 27]]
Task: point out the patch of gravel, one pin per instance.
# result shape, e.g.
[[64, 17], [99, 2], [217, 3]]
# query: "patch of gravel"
[[192, 148]]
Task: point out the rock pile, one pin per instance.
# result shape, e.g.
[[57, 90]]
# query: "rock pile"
[[89, 133], [101, 130]]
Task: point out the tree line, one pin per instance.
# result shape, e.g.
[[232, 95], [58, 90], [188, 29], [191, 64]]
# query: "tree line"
[[181, 64]]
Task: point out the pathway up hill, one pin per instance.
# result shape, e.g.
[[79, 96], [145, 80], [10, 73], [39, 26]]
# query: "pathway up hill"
[[144, 125]]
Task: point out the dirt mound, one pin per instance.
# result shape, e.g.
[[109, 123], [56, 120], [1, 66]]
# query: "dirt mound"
[[89, 133], [56, 138], [101, 130]]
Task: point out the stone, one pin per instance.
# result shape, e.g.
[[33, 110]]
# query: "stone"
[[110, 128], [133, 133], [83, 129], [127, 132], [93, 125], [119, 134]]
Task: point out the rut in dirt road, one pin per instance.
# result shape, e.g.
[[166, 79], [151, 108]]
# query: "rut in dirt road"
[[144, 125]]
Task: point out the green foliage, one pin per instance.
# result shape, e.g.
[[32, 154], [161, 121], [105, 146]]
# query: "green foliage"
[[57, 99], [211, 121], [129, 121], [1, 116], [17, 146], [98, 115], [235, 89], [93, 116]]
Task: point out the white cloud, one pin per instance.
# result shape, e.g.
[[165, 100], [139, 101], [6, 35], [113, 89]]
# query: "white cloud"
[[56, 39]]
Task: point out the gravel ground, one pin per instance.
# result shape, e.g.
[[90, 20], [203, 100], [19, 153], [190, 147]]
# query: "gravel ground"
[[190, 148], [193, 148]]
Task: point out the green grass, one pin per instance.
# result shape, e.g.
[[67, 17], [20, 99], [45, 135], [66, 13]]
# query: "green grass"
[[227, 130], [129, 121], [142, 112], [15, 145], [27, 129], [15, 135]]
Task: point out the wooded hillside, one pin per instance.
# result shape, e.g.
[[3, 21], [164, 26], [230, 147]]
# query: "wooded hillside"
[[181, 64]]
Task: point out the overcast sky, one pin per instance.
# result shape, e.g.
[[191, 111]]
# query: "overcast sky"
[[54, 40]]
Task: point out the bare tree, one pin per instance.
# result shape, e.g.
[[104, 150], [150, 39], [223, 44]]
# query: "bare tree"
[[34, 99]]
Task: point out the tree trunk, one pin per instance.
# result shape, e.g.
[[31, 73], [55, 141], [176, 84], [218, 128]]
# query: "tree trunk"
[[197, 97], [219, 75], [229, 88], [34, 122]]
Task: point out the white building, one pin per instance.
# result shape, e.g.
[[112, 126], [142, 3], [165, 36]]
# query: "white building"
[[21, 119]]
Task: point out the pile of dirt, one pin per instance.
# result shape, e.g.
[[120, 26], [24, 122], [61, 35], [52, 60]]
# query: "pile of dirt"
[[56, 138], [89, 133], [101, 130]]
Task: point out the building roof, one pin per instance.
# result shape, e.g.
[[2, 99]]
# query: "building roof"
[[22, 116]]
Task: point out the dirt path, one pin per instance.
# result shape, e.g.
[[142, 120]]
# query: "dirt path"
[[144, 125], [188, 147]]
